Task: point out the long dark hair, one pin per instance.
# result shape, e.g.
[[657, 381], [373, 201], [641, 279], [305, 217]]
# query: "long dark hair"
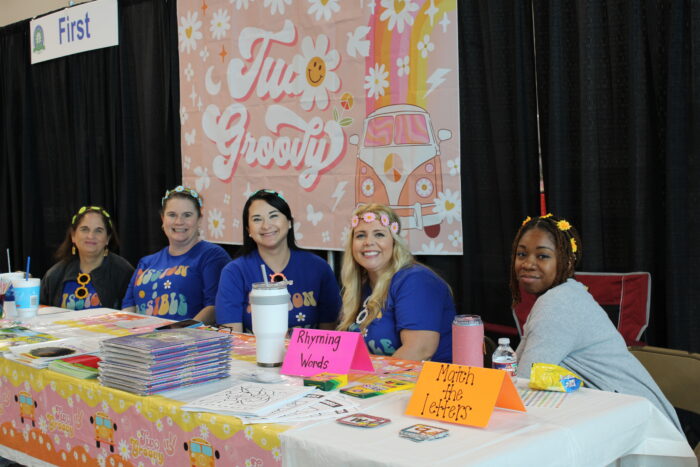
[[64, 251], [276, 201], [567, 243]]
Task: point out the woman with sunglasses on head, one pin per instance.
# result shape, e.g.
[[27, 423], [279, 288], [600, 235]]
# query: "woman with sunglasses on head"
[[268, 239], [180, 281], [88, 274]]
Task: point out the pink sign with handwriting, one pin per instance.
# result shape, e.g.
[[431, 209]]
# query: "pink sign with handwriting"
[[314, 351]]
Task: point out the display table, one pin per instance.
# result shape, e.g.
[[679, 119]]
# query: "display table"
[[589, 428], [50, 418]]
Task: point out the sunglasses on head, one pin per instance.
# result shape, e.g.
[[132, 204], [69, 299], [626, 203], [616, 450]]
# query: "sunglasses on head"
[[85, 209], [272, 192]]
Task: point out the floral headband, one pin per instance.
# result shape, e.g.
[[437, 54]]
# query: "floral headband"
[[184, 190], [562, 224], [372, 216], [85, 209]]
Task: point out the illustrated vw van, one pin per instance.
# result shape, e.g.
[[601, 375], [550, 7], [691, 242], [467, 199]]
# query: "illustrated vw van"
[[202, 453], [27, 407], [104, 430], [398, 164]]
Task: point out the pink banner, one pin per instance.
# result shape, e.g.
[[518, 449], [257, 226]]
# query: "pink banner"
[[331, 103]]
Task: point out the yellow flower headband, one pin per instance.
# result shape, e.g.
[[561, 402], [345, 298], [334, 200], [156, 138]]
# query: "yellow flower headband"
[[370, 216], [185, 191], [85, 209], [562, 224]]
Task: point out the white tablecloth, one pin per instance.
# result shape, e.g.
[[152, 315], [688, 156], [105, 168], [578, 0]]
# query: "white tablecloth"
[[590, 428]]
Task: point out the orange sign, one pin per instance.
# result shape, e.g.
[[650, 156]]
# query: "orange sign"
[[462, 394]]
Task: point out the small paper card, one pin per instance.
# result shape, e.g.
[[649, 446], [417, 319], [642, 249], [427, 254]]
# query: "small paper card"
[[314, 351], [462, 394]]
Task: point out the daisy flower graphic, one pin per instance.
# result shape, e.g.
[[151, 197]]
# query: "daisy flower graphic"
[[402, 67], [448, 206], [455, 238], [453, 165], [376, 82], [220, 24], [188, 32], [323, 8], [301, 317], [217, 223], [241, 4], [316, 78], [276, 5], [425, 46], [398, 12], [430, 248]]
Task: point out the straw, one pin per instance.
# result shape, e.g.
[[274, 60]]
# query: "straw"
[[9, 268], [264, 273], [26, 272]]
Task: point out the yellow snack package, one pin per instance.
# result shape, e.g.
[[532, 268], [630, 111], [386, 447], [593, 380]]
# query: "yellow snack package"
[[548, 377]]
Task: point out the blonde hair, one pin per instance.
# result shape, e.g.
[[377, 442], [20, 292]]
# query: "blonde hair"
[[353, 276]]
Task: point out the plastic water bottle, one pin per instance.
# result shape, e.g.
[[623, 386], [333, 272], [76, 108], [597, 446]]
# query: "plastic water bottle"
[[8, 307], [504, 358]]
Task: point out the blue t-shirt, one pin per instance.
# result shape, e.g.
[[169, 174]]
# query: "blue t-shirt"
[[418, 300], [176, 287], [71, 302], [315, 295]]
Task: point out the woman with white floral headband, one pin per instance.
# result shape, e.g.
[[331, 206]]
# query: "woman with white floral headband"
[[88, 273], [401, 307], [180, 281]]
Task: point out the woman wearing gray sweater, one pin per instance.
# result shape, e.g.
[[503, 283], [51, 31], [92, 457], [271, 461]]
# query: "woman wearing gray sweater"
[[566, 326]]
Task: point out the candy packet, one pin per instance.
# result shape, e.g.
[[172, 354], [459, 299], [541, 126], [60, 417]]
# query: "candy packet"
[[549, 377]]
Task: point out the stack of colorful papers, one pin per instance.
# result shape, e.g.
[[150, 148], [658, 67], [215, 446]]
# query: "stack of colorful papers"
[[157, 361]]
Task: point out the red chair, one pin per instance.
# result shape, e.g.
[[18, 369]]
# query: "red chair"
[[630, 293]]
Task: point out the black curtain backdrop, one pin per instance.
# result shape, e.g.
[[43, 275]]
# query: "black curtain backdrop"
[[618, 89], [617, 84], [99, 127], [499, 161]]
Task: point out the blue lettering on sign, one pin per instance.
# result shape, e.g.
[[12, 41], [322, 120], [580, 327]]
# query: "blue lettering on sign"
[[73, 30]]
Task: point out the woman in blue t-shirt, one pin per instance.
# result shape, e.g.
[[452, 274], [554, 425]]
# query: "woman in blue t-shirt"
[[268, 239], [88, 273], [401, 307], [180, 281]]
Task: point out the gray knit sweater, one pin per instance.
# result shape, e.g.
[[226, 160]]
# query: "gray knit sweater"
[[567, 327]]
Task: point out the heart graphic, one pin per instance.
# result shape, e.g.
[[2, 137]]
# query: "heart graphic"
[[449, 205]]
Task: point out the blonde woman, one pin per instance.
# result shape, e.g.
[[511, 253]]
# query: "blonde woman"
[[401, 307]]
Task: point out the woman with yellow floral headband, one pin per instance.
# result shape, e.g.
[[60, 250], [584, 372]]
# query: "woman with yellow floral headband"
[[401, 307], [566, 326], [180, 281], [88, 273]]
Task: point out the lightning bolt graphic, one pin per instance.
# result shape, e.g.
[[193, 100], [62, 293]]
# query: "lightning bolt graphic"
[[436, 79], [338, 194]]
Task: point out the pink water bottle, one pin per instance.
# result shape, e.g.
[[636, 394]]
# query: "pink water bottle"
[[468, 340]]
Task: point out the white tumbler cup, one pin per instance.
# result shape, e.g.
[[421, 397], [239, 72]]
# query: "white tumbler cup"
[[269, 304]]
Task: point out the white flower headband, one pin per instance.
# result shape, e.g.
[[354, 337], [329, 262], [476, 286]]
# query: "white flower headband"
[[372, 216], [185, 191]]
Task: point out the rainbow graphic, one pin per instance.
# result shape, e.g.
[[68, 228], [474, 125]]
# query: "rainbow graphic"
[[390, 45]]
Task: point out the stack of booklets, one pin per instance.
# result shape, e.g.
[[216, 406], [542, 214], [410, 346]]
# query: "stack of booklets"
[[160, 360]]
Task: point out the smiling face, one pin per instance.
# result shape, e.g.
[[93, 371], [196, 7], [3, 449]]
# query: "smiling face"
[[372, 247], [536, 261], [315, 71], [90, 236], [181, 222], [267, 226]]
